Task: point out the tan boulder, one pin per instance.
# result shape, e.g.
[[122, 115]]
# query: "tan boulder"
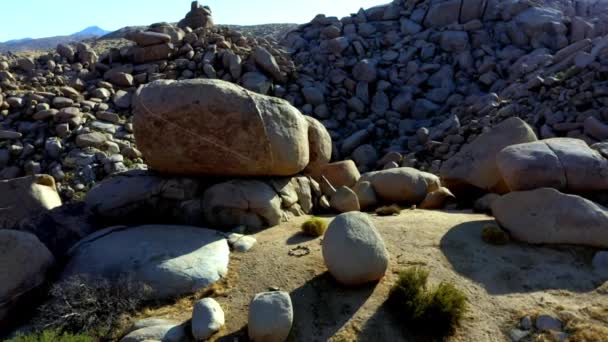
[[437, 199], [548, 216], [26, 197], [475, 163], [344, 200], [366, 194], [24, 261], [565, 164], [250, 203], [145, 54], [212, 127], [403, 184], [343, 173], [320, 147]]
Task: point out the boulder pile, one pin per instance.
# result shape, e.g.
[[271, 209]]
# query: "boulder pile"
[[423, 78]]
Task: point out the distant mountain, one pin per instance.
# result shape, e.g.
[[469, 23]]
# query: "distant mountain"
[[29, 44], [92, 31]]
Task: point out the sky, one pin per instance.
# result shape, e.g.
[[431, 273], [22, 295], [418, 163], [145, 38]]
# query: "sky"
[[46, 18]]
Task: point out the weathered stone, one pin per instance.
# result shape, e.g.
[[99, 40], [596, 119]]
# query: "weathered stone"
[[24, 262], [402, 184], [223, 130], [562, 163], [548, 216], [475, 164], [270, 317], [26, 197], [353, 250], [171, 260]]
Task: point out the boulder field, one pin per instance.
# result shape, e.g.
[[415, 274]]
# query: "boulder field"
[[154, 161]]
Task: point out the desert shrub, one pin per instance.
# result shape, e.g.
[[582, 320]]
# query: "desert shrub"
[[434, 312], [52, 336], [314, 226], [388, 210], [95, 306], [494, 235]]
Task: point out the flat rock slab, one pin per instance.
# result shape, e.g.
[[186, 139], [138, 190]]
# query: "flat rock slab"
[[172, 260]]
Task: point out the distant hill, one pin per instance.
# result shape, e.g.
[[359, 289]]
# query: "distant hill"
[[29, 44]]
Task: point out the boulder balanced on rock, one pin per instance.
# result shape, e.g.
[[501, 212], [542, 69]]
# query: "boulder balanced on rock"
[[199, 16], [562, 163], [212, 127]]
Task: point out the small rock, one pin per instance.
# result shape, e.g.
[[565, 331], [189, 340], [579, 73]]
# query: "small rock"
[[548, 323], [207, 318]]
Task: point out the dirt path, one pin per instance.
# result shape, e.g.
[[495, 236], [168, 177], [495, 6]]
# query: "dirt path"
[[501, 283]]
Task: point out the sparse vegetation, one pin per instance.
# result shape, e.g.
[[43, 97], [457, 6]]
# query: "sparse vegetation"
[[52, 336], [93, 306], [434, 312], [494, 235], [388, 210], [314, 226]]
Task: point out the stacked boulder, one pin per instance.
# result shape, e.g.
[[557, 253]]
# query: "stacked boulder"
[[212, 128], [536, 178], [198, 17], [68, 113]]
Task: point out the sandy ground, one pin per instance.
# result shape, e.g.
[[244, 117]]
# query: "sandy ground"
[[501, 282]]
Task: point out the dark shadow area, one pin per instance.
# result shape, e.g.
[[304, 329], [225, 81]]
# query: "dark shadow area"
[[385, 325], [517, 267], [240, 335], [322, 307], [300, 237]]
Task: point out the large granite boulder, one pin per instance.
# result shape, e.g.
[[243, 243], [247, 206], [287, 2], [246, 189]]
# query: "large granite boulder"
[[548, 216], [26, 197], [171, 260], [24, 262], [213, 127], [320, 147], [475, 164], [565, 164], [403, 184]]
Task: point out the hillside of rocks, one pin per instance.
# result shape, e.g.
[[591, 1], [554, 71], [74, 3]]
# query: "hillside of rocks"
[[167, 172]]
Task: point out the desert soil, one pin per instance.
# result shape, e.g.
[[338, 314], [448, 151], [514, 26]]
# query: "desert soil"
[[502, 283]]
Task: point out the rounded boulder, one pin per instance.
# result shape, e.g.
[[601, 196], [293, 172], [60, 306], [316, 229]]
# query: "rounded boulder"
[[353, 250], [213, 127]]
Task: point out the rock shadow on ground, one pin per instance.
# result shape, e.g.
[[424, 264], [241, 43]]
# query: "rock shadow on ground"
[[517, 267]]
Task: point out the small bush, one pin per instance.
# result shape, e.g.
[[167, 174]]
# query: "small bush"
[[494, 235], [434, 312], [388, 210], [95, 306], [314, 226], [52, 336]]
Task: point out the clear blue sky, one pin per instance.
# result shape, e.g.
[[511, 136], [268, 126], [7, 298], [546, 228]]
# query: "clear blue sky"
[[44, 18]]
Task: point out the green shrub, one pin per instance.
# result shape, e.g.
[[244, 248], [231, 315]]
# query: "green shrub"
[[388, 210], [52, 336], [314, 226], [434, 312], [494, 235]]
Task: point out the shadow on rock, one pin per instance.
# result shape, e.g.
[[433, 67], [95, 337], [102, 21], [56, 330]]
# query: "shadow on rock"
[[322, 307], [517, 267]]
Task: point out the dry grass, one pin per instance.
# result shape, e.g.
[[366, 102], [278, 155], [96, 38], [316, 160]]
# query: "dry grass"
[[588, 333], [494, 235], [388, 210], [314, 226]]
